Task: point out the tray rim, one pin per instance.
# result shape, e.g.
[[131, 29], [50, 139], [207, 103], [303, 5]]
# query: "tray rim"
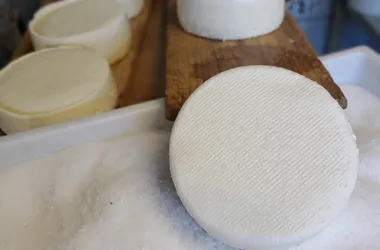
[[20, 147]]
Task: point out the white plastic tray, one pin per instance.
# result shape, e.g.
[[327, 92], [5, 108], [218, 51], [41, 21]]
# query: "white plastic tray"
[[359, 66], [32, 144]]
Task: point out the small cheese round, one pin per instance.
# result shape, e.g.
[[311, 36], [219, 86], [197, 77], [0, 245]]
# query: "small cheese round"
[[98, 25], [52, 86], [263, 157], [132, 7], [230, 19]]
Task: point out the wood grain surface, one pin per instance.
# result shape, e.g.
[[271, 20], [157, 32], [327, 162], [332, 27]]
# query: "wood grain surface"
[[147, 81], [140, 74], [191, 60], [123, 69]]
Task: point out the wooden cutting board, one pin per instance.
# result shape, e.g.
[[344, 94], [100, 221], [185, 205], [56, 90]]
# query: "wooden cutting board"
[[191, 60], [139, 75]]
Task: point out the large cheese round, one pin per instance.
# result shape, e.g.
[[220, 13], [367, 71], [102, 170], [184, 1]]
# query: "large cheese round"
[[132, 7], [52, 86], [98, 25], [263, 157], [230, 19]]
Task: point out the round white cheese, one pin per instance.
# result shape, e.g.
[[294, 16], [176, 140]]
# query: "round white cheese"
[[230, 19], [98, 25], [132, 7], [263, 157], [50, 7], [52, 86]]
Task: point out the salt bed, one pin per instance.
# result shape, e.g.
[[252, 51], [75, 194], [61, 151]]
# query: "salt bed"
[[118, 194], [111, 195], [358, 228]]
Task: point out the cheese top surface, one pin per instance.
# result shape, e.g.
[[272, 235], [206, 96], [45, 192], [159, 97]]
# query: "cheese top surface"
[[263, 157], [52, 79], [78, 17]]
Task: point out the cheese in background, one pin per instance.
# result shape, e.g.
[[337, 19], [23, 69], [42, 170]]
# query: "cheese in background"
[[52, 86], [50, 7], [98, 25], [230, 19], [132, 7], [263, 157]]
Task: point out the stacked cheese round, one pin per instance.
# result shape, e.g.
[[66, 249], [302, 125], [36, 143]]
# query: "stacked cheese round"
[[263, 157], [132, 7], [52, 86], [230, 19], [97, 25]]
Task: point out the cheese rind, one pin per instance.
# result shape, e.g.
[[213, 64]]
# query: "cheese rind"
[[132, 7], [50, 7], [263, 157], [230, 19], [97, 25], [53, 86]]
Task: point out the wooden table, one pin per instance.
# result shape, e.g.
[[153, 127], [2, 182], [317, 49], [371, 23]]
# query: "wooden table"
[[192, 60]]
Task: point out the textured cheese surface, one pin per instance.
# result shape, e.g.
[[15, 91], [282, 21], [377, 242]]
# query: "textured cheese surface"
[[263, 157], [78, 17], [230, 19], [52, 86], [132, 7]]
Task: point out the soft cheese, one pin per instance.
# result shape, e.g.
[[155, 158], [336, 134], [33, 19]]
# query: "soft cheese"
[[132, 7], [52, 86], [98, 25], [263, 157], [230, 19]]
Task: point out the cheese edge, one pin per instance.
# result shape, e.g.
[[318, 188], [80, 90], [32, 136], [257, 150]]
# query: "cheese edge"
[[112, 41]]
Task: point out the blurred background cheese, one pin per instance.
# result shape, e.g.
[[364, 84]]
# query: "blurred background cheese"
[[52, 86], [263, 157], [51, 6], [230, 19], [99, 25], [132, 7]]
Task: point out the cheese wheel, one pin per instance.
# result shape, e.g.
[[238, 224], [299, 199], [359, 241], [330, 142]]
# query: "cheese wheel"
[[263, 157], [132, 7], [230, 19], [50, 7], [52, 86], [98, 25]]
